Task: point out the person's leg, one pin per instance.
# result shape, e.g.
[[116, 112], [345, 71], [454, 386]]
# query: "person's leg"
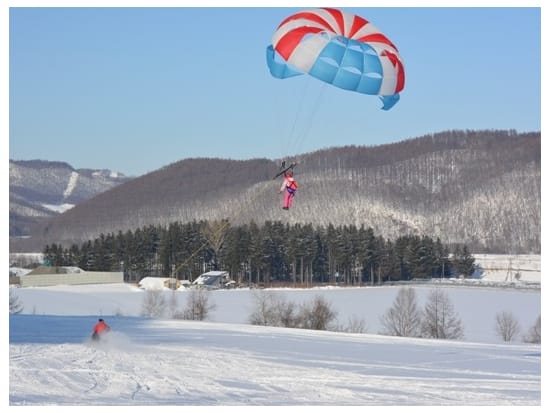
[[286, 200]]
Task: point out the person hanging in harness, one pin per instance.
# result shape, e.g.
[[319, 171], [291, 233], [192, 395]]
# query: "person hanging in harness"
[[289, 186], [100, 329]]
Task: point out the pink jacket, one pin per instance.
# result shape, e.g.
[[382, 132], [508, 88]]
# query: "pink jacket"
[[287, 182]]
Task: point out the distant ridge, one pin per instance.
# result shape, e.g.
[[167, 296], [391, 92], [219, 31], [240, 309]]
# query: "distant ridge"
[[42, 189]]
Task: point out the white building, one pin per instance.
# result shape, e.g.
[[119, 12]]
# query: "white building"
[[213, 280], [48, 276]]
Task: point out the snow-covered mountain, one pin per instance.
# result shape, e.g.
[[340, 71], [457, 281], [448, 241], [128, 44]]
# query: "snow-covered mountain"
[[482, 188], [42, 189]]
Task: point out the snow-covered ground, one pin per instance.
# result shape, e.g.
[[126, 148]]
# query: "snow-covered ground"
[[58, 208], [499, 267], [171, 362], [227, 361]]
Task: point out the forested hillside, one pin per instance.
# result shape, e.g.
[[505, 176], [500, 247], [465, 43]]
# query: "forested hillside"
[[480, 188]]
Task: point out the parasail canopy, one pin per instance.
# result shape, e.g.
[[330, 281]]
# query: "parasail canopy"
[[339, 48]]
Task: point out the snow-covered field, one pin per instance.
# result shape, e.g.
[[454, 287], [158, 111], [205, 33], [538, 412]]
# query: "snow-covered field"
[[476, 306], [170, 362], [227, 361], [498, 267]]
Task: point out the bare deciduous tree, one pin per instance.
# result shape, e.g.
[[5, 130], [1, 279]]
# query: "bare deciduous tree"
[[198, 305], [317, 316], [272, 311], [173, 307], [153, 304], [507, 327], [355, 325], [15, 303], [264, 312], [534, 333], [440, 319], [215, 233], [285, 312], [403, 318]]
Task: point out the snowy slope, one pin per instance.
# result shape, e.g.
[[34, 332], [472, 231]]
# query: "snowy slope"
[[227, 361], [42, 189], [171, 362]]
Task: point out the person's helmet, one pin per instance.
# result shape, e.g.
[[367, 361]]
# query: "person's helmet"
[[100, 320]]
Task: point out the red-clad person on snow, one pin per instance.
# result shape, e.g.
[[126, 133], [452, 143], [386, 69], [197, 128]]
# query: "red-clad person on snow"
[[99, 329]]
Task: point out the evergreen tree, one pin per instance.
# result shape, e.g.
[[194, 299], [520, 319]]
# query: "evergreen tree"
[[53, 254], [274, 251], [370, 254], [255, 257], [401, 252], [463, 262], [320, 264], [442, 262]]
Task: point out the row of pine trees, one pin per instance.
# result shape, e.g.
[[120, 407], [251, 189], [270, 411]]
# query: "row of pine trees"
[[274, 252]]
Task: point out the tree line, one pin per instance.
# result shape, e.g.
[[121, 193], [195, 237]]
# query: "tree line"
[[274, 252]]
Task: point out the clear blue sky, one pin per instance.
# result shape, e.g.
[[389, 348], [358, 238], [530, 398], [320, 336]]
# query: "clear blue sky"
[[135, 89]]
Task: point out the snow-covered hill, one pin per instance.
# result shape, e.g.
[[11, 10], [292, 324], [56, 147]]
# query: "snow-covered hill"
[[42, 189], [473, 187], [170, 362], [227, 361]]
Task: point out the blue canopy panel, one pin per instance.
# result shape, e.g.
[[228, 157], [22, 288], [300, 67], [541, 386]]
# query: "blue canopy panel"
[[344, 63]]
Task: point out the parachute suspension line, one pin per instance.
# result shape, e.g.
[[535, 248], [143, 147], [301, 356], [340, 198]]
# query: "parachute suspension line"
[[280, 125], [291, 147], [215, 234], [305, 115], [311, 118]]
